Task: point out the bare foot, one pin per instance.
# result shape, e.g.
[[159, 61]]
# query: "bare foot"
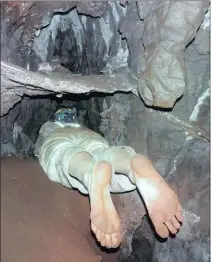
[[105, 222], [161, 201]]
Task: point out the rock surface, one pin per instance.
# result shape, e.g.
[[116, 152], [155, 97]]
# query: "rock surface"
[[177, 141], [165, 40], [189, 175], [17, 82], [91, 8], [104, 37], [202, 40], [40, 220]]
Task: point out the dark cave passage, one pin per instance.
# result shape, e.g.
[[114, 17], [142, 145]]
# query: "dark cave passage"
[[20, 127]]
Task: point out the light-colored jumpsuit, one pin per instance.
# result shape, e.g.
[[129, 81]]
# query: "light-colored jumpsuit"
[[58, 143]]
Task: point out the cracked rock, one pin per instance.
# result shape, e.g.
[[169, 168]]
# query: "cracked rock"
[[163, 82], [92, 8], [202, 40]]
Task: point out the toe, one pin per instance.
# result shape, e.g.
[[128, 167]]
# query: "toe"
[[98, 235], [115, 239], [93, 227], [175, 223], [179, 216], [103, 242], [108, 241], [171, 228], [162, 230]]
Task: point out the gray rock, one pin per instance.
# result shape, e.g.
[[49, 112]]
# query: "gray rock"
[[114, 118], [202, 40], [163, 81], [188, 174], [20, 127], [8, 149], [197, 68], [95, 9], [201, 114], [151, 133], [132, 29]]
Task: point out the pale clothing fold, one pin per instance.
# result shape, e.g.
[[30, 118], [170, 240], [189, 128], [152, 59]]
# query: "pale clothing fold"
[[58, 143]]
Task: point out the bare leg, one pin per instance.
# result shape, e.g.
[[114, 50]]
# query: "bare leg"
[[161, 201], [105, 221], [122, 164]]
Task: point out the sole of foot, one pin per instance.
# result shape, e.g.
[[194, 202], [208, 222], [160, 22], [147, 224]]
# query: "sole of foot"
[[162, 203], [105, 222]]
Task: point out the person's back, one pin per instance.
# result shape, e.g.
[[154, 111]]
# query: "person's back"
[[61, 118]]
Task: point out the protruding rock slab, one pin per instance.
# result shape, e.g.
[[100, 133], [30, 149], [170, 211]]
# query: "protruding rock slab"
[[17, 81]]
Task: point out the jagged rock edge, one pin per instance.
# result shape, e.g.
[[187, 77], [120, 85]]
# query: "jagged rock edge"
[[23, 81]]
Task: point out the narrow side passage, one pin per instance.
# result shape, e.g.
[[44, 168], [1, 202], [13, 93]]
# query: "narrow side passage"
[[32, 208]]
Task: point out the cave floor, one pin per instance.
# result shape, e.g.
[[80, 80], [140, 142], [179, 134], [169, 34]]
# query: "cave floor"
[[41, 220]]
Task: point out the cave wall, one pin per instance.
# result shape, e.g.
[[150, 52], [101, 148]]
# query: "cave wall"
[[177, 140], [20, 127], [178, 143], [174, 143], [82, 42]]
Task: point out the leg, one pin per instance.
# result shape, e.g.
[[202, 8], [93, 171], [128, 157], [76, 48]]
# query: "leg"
[[122, 164], [162, 203], [105, 222]]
